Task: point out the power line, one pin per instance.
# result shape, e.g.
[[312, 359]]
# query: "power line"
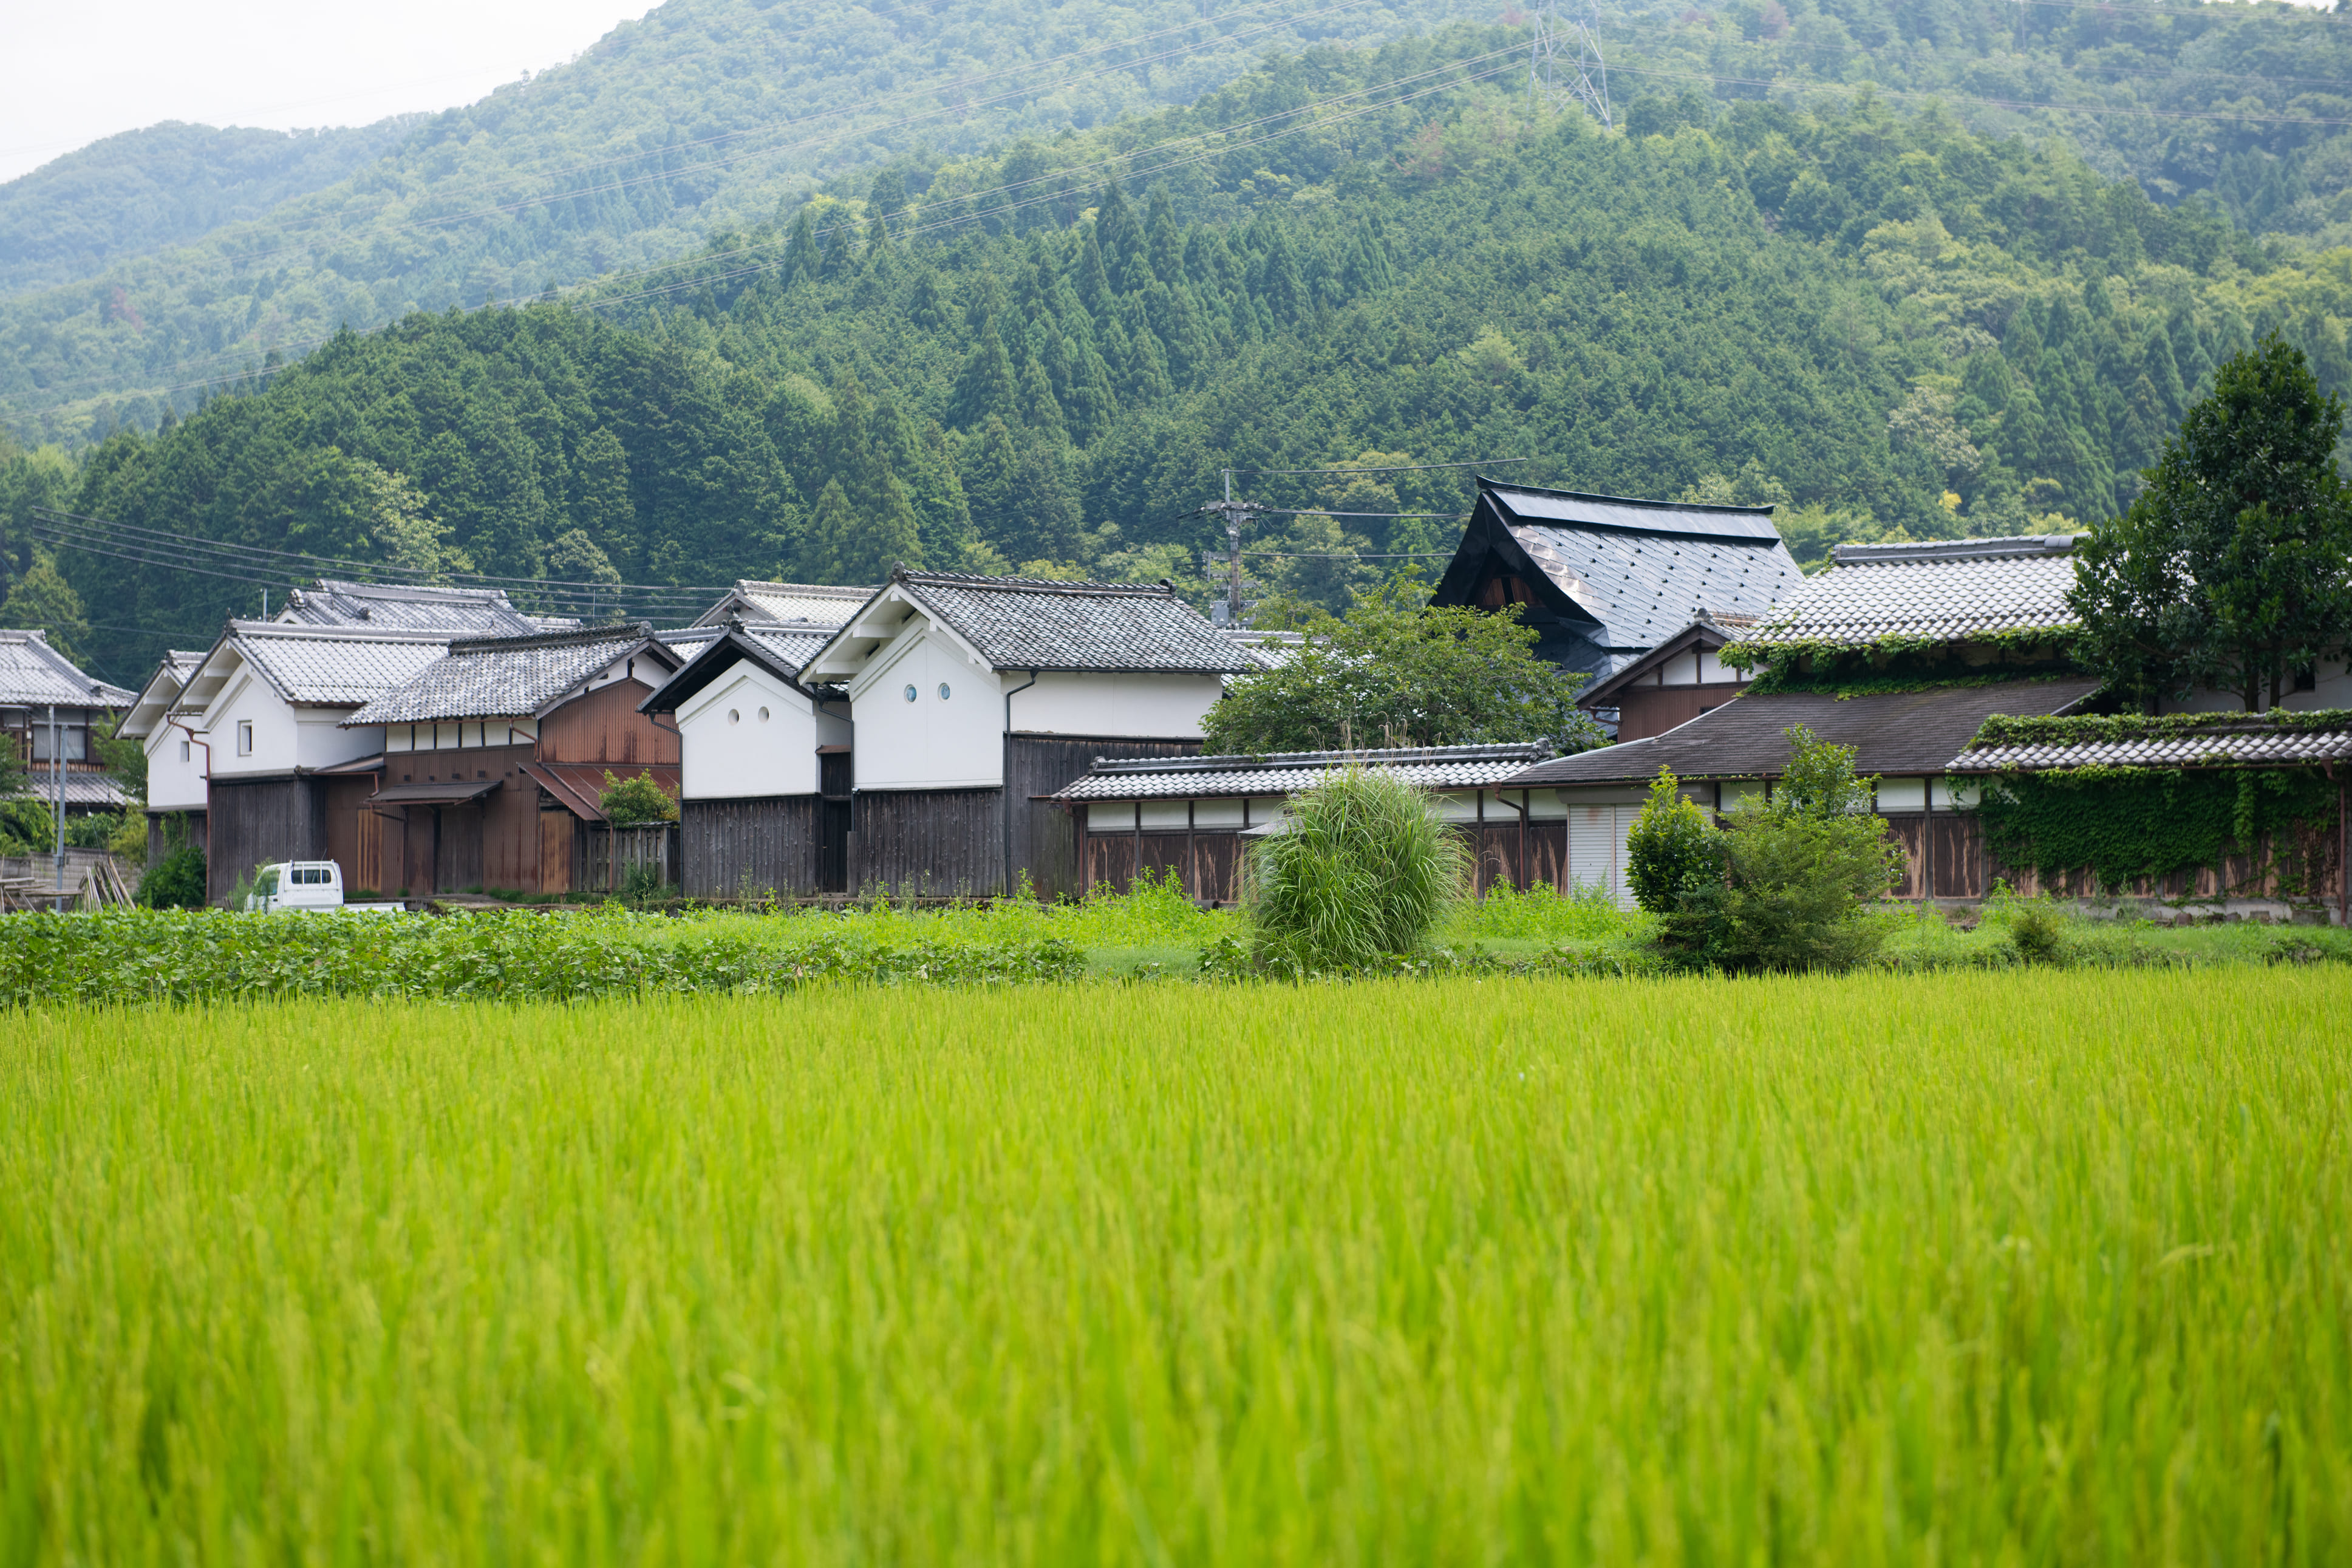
[[1393, 468]]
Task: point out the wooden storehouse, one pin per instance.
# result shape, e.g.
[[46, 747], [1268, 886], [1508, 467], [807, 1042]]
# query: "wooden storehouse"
[[492, 758], [977, 698], [764, 799], [271, 700], [1672, 684], [1604, 579], [1194, 815]]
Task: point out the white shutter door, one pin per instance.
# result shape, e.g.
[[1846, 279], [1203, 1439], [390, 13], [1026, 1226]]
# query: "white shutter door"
[[1626, 816], [1593, 847]]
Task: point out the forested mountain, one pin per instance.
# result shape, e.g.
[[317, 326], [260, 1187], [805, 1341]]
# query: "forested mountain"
[[710, 112], [130, 194], [1042, 358]]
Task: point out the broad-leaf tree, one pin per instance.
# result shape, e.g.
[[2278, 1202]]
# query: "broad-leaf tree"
[[1397, 673], [2234, 569]]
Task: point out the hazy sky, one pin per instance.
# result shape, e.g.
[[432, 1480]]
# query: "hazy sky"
[[77, 72]]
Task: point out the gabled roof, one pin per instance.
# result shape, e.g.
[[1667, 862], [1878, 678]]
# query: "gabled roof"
[[407, 607], [1019, 623], [1287, 773], [1623, 572], [2130, 740], [1705, 631], [1950, 590], [33, 673], [781, 651], [817, 604], [313, 666], [1908, 733], [83, 791], [512, 678], [161, 696]]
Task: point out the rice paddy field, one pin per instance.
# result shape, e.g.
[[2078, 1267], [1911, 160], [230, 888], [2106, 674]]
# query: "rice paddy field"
[[2028, 1266]]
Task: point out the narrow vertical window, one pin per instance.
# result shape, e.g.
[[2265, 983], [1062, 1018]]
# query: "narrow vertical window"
[[244, 737]]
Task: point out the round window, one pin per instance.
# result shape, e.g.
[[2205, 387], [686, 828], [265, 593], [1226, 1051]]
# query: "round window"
[[910, 694], [943, 691], [734, 716], [763, 715]]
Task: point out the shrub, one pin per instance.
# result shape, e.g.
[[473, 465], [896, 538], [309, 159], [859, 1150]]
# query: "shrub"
[[629, 802], [1673, 851], [1363, 872], [176, 882], [1798, 870], [2035, 933]]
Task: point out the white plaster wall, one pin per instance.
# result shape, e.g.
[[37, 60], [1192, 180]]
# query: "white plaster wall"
[[931, 743], [173, 782], [2333, 688], [320, 742], [730, 752], [1164, 707], [246, 699]]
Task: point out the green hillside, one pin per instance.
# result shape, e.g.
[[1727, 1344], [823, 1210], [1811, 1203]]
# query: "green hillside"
[[1886, 323], [708, 114], [165, 185]]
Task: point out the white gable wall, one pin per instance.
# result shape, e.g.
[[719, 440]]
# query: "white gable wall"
[[1149, 707], [931, 743], [748, 734], [175, 782], [284, 737]]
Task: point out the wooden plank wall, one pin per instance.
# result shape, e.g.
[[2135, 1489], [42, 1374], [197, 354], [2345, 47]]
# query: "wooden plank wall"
[[944, 843], [1044, 838], [768, 846], [603, 857], [256, 822], [158, 832]]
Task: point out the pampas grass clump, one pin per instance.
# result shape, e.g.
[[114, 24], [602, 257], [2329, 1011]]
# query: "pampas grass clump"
[[1364, 872]]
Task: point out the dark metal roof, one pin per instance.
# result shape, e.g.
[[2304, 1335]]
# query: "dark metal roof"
[[1950, 589], [510, 678], [1897, 733], [781, 651], [579, 787], [453, 792], [1287, 773], [1624, 574]]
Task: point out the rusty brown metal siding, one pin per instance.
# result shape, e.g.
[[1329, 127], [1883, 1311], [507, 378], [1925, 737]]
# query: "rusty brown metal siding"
[[1646, 711], [767, 846], [605, 727]]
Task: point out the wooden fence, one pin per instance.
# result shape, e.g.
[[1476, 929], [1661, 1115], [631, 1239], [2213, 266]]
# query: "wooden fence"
[[604, 858]]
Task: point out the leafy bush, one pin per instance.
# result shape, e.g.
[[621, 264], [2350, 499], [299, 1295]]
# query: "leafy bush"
[[630, 803], [25, 826], [1798, 871], [1361, 873], [2034, 930], [176, 882], [1673, 851]]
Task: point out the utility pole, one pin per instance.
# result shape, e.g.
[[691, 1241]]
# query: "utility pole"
[[58, 800], [1234, 512]]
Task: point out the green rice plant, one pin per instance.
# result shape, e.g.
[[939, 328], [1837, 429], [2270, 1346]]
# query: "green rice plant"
[[2032, 1267], [1361, 871]]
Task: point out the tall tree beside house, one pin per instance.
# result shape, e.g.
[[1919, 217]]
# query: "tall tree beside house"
[[44, 601], [2234, 569]]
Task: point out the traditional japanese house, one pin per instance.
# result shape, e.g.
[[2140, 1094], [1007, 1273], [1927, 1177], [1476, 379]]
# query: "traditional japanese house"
[[283, 774], [1901, 651], [793, 604], [50, 710], [1675, 682], [976, 699], [493, 756], [1604, 579], [764, 801], [1194, 815], [164, 725], [411, 606]]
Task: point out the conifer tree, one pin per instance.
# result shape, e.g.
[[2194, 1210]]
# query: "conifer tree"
[[1040, 410], [801, 258], [830, 548], [1165, 239], [985, 389], [1124, 249]]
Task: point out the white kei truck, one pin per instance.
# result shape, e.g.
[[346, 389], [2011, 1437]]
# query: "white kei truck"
[[309, 886]]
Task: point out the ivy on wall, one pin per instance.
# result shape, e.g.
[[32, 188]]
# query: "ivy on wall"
[[2083, 728], [2123, 823], [1895, 662]]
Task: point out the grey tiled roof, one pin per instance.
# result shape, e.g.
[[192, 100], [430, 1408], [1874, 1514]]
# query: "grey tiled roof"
[[2222, 745], [819, 604], [161, 695], [1908, 732], [32, 672], [1644, 569], [331, 667], [1196, 778], [791, 648], [505, 677], [1952, 589], [1020, 624], [87, 791], [404, 606]]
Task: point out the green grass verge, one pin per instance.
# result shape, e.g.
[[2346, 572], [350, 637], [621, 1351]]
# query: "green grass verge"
[[2032, 1267]]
